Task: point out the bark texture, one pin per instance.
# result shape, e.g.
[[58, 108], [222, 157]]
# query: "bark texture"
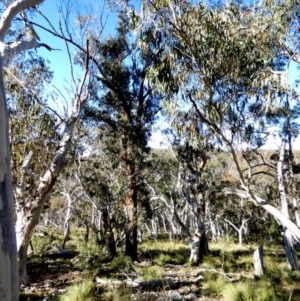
[[130, 202]]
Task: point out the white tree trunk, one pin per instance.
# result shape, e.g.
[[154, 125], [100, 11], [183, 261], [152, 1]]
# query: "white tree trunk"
[[258, 262], [291, 255], [67, 222], [9, 276], [239, 230], [195, 250]]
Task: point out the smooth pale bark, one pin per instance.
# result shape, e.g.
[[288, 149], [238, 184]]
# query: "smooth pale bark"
[[258, 262], [291, 255], [239, 230], [28, 218], [9, 276], [292, 182], [69, 214], [199, 247]]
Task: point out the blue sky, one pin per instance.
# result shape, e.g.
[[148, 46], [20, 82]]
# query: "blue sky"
[[59, 60]]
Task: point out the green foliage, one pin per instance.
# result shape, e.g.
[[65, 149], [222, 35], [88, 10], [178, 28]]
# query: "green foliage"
[[79, 292], [172, 258]]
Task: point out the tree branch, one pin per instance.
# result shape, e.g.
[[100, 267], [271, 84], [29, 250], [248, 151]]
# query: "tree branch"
[[285, 221], [8, 15]]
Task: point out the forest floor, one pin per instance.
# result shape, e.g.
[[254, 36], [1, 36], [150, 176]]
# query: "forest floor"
[[164, 274], [49, 278]]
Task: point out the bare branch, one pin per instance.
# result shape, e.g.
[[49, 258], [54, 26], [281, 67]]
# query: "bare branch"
[[9, 51]]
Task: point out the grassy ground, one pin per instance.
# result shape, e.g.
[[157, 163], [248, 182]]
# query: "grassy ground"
[[227, 271]]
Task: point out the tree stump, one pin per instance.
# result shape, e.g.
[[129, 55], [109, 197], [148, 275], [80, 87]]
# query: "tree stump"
[[258, 262]]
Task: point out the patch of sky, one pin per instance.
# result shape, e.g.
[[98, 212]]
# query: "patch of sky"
[[59, 60], [274, 142]]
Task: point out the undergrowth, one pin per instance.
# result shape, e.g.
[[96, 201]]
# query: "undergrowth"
[[225, 261]]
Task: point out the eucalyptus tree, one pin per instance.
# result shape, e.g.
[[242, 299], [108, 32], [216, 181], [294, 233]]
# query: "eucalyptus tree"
[[35, 182], [42, 135], [285, 114], [9, 282], [219, 60], [124, 103], [178, 194]]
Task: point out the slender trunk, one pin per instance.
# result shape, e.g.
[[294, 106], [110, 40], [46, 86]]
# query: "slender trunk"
[[291, 255], [268, 207], [292, 182], [9, 277], [258, 262], [199, 248], [67, 221], [87, 231], [108, 233]]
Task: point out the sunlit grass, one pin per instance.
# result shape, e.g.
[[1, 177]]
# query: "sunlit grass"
[[79, 292], [165, 252], [243, 291], [152, 273], [213, 284]]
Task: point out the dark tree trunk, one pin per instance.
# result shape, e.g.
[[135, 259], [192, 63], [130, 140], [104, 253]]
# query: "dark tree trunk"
[[108, 233], [131, 206], [87, 231], [203, 250]]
